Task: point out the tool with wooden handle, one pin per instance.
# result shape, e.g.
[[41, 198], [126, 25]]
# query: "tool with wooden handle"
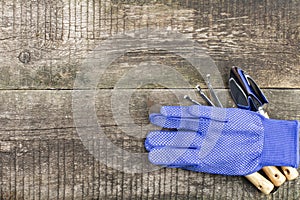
[[260, 182], [290, 173], [247, 95], [258, 99]]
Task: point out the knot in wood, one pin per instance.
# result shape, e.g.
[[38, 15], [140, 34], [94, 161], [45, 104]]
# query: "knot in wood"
[[24, 57]]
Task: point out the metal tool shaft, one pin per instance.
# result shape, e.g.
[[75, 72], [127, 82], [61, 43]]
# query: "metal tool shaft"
[[208, 101], [191, 100], [212, 92]]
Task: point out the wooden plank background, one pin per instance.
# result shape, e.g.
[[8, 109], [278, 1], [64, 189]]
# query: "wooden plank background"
[[42, 46]]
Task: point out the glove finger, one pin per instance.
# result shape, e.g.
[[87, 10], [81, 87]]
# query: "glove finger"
[[179, 139], [194, 111], [199, 125], [175, 156]]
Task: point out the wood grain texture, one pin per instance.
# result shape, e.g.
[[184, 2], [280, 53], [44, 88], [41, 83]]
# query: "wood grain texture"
[[44, 43], [262, 37], [43, 157]]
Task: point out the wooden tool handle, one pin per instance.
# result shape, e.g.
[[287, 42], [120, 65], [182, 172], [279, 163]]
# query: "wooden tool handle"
[[290, 173], [260, 182], [276, 177]]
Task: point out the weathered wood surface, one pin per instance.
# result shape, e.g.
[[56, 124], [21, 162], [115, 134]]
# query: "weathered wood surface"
[[43, 157], [262, 36], [42, 46]]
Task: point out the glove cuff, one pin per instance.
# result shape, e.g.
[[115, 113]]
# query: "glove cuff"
[[281, 143]]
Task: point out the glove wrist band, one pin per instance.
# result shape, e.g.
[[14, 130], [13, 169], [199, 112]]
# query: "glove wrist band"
[[281, 143]]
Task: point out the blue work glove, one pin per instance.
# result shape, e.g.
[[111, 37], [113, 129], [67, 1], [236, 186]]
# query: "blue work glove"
[[227, 141]]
